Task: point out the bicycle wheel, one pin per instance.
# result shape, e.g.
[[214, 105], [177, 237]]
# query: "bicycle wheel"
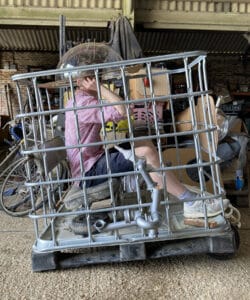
[[15, 197]]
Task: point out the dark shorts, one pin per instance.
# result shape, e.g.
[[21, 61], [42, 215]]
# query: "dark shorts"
[[117, 164]]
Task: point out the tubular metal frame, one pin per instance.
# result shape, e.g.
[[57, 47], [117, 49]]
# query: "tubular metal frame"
[[132, 228]]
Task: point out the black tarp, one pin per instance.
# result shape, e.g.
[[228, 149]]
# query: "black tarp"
[[123, 39]]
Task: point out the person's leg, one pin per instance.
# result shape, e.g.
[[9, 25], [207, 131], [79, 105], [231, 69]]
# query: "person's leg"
[[117, 164], [192, 209], [147, 150]]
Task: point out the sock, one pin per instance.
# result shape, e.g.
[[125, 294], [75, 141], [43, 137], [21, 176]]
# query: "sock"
[[188, 195]]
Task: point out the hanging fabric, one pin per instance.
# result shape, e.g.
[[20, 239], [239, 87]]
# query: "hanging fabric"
[[123, 39]]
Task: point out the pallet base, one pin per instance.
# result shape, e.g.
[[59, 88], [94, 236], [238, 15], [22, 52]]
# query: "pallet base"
[[223, 245]]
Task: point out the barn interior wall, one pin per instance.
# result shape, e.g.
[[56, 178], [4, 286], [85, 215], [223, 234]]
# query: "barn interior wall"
[[20, 62], [224, 71]]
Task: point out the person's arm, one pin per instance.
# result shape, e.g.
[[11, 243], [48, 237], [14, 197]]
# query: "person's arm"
[[112, 97], [89, 85]]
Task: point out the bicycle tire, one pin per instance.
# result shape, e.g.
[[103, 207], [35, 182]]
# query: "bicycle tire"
[[12, 155], [15, 198]]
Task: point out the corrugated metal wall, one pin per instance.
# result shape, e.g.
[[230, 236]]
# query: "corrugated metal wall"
[[152, 42], [162, 26], [241, 6], [234, 6], [78, 4]]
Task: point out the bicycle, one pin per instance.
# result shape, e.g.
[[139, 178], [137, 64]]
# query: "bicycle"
[[12, 145], [18, 199]]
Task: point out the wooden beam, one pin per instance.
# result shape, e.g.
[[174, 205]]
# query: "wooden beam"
[[49, 17], [156, 19]]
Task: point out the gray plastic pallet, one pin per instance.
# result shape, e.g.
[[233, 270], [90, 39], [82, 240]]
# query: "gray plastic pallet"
[[223, 245]]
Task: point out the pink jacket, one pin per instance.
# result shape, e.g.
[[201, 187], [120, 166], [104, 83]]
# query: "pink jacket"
[[90, 124]]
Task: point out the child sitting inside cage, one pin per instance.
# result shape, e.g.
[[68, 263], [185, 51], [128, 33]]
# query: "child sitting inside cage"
[[84, 119], [93, 157]]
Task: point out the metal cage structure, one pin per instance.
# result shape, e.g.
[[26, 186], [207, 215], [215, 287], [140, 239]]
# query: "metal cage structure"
[[127, 217]]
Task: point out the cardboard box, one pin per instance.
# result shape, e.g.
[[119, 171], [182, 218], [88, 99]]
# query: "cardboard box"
[[161, 84], [184, 121], [236, 126]]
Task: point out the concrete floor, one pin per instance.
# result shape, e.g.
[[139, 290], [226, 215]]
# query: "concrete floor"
[[183, 277]]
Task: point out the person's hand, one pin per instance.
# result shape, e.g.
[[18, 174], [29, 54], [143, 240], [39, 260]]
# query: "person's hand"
[[89, 85]]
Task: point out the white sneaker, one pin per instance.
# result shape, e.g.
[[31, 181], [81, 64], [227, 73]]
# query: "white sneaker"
[[213, 208]]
